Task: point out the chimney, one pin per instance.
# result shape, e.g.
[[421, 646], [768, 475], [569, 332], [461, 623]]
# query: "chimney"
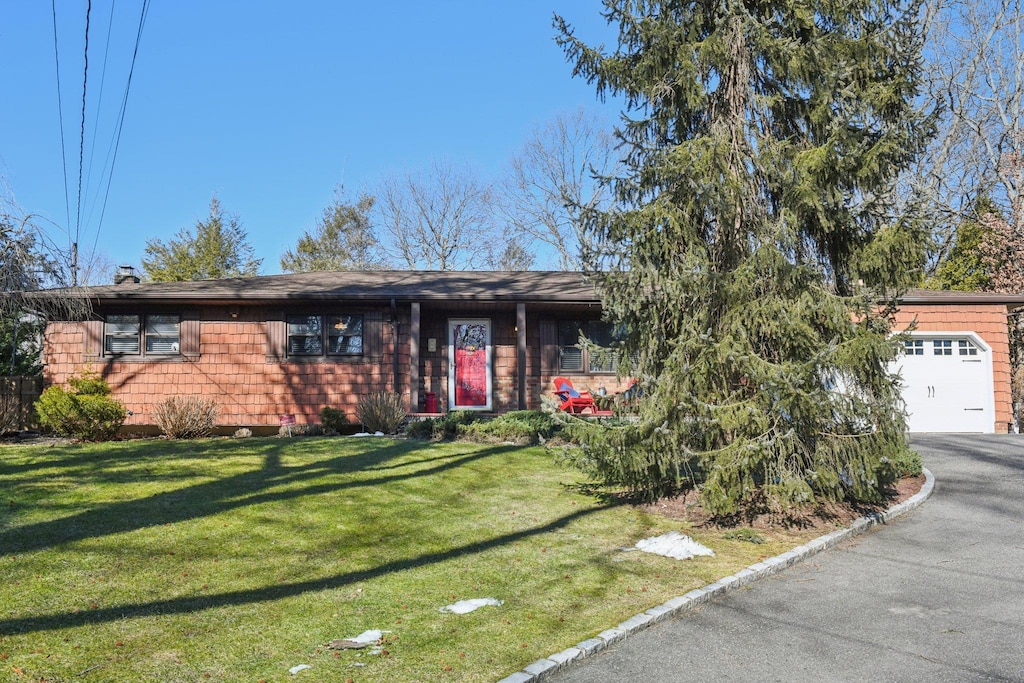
[[125, 274]]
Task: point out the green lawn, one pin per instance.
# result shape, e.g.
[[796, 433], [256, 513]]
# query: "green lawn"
[[234, 560]]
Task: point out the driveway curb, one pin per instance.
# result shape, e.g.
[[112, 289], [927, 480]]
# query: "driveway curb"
[[543, 667]]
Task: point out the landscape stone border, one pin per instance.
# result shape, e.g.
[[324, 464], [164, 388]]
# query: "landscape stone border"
[[543, 667]]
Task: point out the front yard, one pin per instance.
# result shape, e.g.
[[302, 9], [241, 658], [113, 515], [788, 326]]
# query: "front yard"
[[236, 560]]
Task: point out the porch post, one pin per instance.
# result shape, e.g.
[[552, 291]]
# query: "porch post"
[[521, 353], [414, 359]]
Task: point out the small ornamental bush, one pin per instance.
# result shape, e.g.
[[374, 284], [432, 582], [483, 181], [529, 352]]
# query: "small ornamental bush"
[[301, 430], [381, 412], [520, 426], [446, 427], [333, 420], [86, 412], [186, 417]]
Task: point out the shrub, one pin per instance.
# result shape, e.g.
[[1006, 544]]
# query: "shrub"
[[186, 417], [420, 429], [520, 426], [381, 412], [10, 412], [333, 420], [301, 430], [905, 463], [86, 412], [449, 426]]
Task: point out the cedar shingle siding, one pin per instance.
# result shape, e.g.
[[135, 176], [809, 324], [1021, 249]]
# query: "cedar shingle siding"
[[234, 339]]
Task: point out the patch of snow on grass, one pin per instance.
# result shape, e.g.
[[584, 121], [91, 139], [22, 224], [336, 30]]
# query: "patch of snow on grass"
[[674, 545], [466, 606]]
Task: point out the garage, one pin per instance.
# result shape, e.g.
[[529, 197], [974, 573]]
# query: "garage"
[[947, 382]]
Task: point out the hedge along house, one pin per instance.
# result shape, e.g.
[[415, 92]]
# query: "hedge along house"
[[277, 346], [274, 347]]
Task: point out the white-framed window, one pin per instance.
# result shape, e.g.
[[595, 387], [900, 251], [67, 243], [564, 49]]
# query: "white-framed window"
[[325, 335], [913, 347], [942, 347], [142, 335], [967, 348]]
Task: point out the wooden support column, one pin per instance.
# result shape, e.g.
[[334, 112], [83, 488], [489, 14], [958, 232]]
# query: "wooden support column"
[[521, 353], [414, 359]]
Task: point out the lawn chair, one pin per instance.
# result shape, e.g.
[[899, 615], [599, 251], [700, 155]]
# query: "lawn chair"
[[576, 402]]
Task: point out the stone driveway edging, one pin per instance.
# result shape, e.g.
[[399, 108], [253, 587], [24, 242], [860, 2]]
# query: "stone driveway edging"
[[543, 667]]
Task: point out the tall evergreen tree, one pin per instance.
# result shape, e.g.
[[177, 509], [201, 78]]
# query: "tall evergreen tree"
[[219, 248], [344, 240], [755, 242]]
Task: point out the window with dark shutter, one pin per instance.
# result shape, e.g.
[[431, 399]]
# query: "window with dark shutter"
[[305, 335], [162, 334], [121, 335]]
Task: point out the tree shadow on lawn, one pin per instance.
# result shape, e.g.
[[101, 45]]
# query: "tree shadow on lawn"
[[185, 605], [221, 495], [98, 460]]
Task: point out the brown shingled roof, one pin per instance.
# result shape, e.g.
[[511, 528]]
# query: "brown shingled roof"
[[943, 296], [377, 285]]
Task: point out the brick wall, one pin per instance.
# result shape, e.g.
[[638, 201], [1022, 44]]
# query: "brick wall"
[[988, 321]]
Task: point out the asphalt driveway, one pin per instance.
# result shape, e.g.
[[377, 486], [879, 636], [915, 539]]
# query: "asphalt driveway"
[[937, 595]]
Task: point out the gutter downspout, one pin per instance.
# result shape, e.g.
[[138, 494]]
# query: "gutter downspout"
[[394, 350]]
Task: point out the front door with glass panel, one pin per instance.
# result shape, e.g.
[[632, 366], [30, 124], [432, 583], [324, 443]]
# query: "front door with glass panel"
[[469, 364]]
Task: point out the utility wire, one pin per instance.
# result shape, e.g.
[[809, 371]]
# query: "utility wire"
[[81, 138], [120, 122], [99, 109], [60, 115]]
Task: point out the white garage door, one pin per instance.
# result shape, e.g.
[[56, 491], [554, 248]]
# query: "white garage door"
[[947, 383]]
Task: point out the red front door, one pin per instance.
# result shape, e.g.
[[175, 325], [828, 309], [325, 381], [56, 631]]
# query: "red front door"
[[469, 364]]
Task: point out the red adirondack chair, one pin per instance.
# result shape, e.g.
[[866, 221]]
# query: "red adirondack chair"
[[576, 402]]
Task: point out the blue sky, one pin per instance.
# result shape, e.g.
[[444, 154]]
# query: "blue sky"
[[268, 105]]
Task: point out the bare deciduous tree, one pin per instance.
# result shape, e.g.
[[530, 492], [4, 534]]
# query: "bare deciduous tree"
[[35, 279], [551, 183], [439, 218], [976, 78]]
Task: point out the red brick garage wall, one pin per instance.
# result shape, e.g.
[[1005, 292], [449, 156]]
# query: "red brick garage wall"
[[988, 321]]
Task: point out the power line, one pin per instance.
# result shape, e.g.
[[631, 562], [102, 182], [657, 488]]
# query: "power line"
[[120, 122], [99, 107], [81, 139], [60, 114]]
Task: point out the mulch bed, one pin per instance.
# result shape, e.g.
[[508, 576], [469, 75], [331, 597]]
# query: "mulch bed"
[[686, 506]]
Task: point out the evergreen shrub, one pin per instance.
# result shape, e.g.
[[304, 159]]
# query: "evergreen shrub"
[[86, 412], [520, 426], [333, 420], [444, 428]]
